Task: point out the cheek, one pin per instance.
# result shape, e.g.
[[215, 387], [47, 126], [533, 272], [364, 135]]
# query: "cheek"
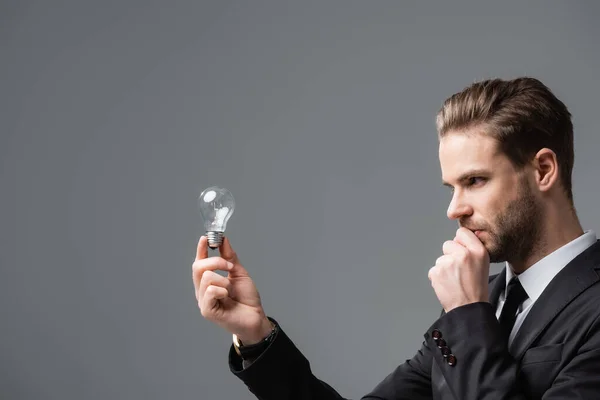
[[489, 207]]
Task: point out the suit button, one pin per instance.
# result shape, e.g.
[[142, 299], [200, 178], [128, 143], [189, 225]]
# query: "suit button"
[[436, 334], [446, 352], [451, 360], [441, 343]]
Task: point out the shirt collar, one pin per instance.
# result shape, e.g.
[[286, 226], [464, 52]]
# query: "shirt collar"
[[535, 278]]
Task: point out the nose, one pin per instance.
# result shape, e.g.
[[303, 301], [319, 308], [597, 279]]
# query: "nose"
[[458, 207]]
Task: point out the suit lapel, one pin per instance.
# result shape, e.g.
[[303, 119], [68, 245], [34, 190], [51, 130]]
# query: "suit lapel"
[[573, 279], [496, 286]]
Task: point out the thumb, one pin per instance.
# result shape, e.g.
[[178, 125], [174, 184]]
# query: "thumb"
[[229, 254], [227, 251]]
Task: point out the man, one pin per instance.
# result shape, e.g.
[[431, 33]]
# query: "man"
[[529, 332]]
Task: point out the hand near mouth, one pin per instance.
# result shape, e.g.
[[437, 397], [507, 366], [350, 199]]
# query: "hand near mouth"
[[460, 276]]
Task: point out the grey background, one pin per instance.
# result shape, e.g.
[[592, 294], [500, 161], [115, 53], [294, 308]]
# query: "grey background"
[[318, 116]]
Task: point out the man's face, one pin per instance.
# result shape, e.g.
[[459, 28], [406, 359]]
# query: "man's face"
[[489, 196]]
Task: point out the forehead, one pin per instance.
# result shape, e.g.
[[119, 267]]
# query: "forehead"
[[461, 153]]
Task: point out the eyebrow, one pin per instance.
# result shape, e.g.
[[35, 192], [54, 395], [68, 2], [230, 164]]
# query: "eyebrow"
[[467, 175]]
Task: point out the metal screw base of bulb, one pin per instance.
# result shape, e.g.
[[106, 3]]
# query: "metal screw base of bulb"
[[215, 239]]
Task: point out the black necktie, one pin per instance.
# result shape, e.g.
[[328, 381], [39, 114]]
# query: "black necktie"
[[515, 295]]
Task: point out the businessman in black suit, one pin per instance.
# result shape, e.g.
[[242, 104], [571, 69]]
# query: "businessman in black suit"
[[529, 332]]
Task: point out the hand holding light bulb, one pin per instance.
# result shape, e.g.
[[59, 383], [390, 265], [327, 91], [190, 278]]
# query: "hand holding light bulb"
[[232, 302]]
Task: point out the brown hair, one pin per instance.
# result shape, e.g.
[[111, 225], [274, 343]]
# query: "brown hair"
[[522, 114]]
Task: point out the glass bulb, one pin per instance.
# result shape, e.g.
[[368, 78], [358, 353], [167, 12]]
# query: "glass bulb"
[[216, 206]]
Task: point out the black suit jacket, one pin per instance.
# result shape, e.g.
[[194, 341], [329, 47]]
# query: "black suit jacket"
[[555, 354]]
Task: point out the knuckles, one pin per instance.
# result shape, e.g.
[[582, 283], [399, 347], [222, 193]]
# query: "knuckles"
[[208, 277], [480, 252], [211, 280], [212, 290], [432, 274], [447, 246], [205, 312], [462, 255]]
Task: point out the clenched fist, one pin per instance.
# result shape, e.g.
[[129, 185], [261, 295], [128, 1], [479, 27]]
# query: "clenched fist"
[[232, 302], [460, 276]]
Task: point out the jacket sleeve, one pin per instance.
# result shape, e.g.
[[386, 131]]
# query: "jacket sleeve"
[[482, 367], [281, 372]]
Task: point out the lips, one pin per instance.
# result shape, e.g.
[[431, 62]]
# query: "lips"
[[475, 230]]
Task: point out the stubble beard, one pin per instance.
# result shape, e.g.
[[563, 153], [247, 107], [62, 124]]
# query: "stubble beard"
[[516, 230]]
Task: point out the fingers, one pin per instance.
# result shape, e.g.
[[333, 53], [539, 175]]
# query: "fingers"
[[441, 262], [210, 278], [227, 251], [209, 301], [202, 250], [208, 264], [450, 246], [467, 238], [433, 271], [230, 255]]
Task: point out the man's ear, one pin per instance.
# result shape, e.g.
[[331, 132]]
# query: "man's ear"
[[546, 169]]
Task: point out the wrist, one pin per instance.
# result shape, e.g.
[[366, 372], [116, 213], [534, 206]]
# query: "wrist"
[[464, 303], [264, 329], [251, 350]]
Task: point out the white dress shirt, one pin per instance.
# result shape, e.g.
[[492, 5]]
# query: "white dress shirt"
[[535, 279]]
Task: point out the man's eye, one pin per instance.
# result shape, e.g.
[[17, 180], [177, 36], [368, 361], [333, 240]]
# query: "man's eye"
[[475, 180]]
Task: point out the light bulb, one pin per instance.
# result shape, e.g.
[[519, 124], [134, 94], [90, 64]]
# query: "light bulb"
[[216, 206]]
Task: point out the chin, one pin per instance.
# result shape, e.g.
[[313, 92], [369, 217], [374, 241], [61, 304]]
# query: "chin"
[[496, 257], [496, 260]]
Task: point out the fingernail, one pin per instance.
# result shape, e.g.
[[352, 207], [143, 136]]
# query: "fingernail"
[[229, 265]]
